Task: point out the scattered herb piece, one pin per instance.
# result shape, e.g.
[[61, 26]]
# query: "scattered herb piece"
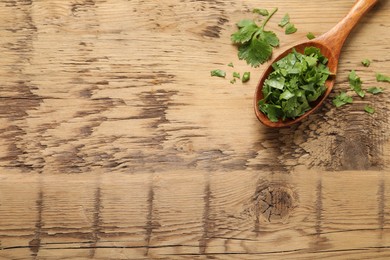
[[290, 28], [231, 64], [254, 43], [297, 80], [382, 78], [233, 81], [218, 73], [374, 90], [366, 62], [369, 109], [236, 75], [263, 12], [285, 20], [342, 99], [355, 83], [246, 77], [310, 36]]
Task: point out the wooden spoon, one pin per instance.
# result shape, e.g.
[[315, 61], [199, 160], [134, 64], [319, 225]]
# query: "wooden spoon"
[[330, 45]]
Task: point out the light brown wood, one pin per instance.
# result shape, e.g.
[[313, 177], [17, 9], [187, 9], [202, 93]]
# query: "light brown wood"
[[115, 142]]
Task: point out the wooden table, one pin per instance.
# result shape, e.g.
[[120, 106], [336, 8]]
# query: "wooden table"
[[116, 143]]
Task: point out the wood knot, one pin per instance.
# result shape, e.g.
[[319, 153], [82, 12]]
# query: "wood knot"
[[273, 202]]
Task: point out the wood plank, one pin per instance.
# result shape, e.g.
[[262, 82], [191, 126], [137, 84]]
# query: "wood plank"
[[189, 214], [112, 84]]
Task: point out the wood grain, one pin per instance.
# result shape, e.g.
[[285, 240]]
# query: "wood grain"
[[115, 142]]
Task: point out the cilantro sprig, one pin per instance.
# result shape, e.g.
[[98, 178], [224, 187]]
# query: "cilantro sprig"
[[369, 109], [366, 62], [382, 78], [356, 83], [297, 80], [342, 99], [375, 90], [218, 73], [285, 23], [255, 44]]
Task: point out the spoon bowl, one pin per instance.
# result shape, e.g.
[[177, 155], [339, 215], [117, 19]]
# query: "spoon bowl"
[[330, 45]]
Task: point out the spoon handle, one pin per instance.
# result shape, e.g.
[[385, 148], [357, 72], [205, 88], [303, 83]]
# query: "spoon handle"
[[336, 37]]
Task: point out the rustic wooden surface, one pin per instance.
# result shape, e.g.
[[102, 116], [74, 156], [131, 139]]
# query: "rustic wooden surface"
[[115, 142]]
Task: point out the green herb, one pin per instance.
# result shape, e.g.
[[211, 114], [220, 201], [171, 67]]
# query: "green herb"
[[342, 99], [366, 62], [369, 109], [246, 77], [310, 36], [255, 45], [218, 73], [297, 80], [233, 81], [374, 90], [285, 20], [290, 29], [236, 75], [231, 64], [263, 12], [355, 83], [382, 78]]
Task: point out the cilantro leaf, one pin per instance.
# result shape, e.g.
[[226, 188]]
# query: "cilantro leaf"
[[369, 109], [366, 62], [246, 76], [290, 29], [270, 38], [255, 52], [232, 81], [218, 73], [382, 78], [231, 64], [374, 90], [236, 75], [245, 22], [285, 20], [286, 95], [255, 45], [355, 83], [245, 33], [342, 99], [310, 36], [263, 12]]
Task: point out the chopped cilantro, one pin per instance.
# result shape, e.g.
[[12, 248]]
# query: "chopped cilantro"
[[374, 90], [233, 81], [310, 36], [369, 109], [218, 73], [290, 29], [255, 45], [297, 80], [342, 99], [383, 78], [366, 62], [355, 83], [231, 64], [246, 77], [285, 20], [263, 12], [236, 75]]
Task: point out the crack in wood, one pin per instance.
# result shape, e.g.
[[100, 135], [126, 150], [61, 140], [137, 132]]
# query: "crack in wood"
[[97, 221], [35, 243], [207, 221]]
